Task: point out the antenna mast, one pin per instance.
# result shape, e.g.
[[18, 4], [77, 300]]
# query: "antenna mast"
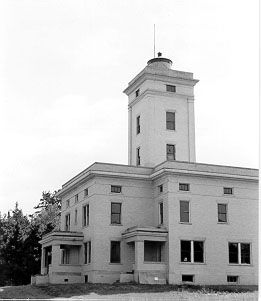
[[154, 41]]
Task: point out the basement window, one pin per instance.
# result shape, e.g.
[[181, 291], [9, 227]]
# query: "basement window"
[[187, 278], [232, 279]]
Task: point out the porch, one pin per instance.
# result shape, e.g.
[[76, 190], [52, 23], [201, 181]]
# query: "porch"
[[150, 253], [61, 257]]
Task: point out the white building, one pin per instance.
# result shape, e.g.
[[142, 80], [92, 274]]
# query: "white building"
[[163, 217]]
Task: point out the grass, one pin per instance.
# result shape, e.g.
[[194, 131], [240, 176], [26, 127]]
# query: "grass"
[[129, 291]]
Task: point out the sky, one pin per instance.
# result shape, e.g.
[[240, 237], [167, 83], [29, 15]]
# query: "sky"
[[64, 65]]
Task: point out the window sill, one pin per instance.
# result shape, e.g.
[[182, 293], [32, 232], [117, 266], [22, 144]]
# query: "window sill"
[[186, 191], [194, 263], [185, 223], [86, 264], [154, 262], [115, 263], [85, 226], [69, 264], [115, 193], [241, 264], [169, 130], [116, 224], [222, 223]]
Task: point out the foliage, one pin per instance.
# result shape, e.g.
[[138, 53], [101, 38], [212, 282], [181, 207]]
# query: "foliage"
[[20, 251]]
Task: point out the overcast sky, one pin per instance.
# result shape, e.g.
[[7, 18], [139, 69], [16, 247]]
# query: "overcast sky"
[[64, 65]]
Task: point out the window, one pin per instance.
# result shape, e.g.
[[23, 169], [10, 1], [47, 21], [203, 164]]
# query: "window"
[[183, 187], [233, 279], [222, 213], [75, 216], [160, 188], [86, 215], [187, 278], [192, 251], [138, 125], [65, 256], [239, 253], [161, 213], [170, 88], [115, 213], [67, 203], [87, 252], [170, 121], [228, 190], [67, 222], [152, 251], [171, 152], [138, 156], [137, 92], [76, 198], [184, 211], [115, 252], [115, 189], [86, 191]]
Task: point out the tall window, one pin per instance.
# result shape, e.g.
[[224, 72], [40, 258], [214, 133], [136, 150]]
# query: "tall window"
[[86, 192], [171, 152], [67, 222], [170, 121], [222, 213], [161, 213], [87, 252], [138, 156], [115, 213], [76, 198], [137, 92], [86, 215], [65, 256], [138, 125], [75, 216], [170, 88], [184, 211], [239, 253], [115, 252], [67, 203], [192, 251]]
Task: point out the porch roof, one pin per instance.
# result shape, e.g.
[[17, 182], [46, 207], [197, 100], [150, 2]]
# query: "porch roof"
[[62, 237], [138, 233]]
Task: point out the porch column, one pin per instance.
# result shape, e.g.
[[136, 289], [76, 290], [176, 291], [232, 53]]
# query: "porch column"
[[139, 258], [43, 268]]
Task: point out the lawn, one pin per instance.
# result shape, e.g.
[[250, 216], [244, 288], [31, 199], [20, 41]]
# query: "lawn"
[[129, 291]]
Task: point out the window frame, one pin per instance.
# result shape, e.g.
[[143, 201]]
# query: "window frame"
[[161, 213], [116, 189], [67, 226], [138, 159], [186, 281], [116, 213], [239, 253], [86, 192], [192, 252], [189, 217], [174, 153], [228, 194], [171, 88], [188, 185], [170, 121], [237, 279], [86, 215], [118, 243], [226, 213], [160, 188], [87, 252]]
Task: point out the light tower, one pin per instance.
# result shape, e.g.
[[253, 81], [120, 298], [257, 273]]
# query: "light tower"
[[161, 115]]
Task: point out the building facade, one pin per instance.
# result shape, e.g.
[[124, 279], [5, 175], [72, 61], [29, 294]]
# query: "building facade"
[[163, 218]]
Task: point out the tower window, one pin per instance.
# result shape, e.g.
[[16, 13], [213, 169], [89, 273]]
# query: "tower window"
[[170, 121], [171, 152], [171, 88], [137, 92], [138, 156], [138, 125]]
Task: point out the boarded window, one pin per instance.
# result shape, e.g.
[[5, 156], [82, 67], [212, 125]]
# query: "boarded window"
[[115, 252], [171, 152], [170, 121], [222, 213], [115, 213], [184, 211]]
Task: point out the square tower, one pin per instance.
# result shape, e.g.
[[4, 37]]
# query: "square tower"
[[161, 115]]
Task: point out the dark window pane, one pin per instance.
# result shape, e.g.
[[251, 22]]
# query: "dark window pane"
[[90, 252], [170, 152], [115, 218], [184, 211], [161, 213], [245, 253], [233, 252], [171, 88], [187, 278], [232, 279], [228, 190], [115, 213], [115, 252], [170, 120], [138, 124], [185, 251], [115, 207], [183, 186], [198, 251], [115, 189], [85, 252], [152, 251]]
